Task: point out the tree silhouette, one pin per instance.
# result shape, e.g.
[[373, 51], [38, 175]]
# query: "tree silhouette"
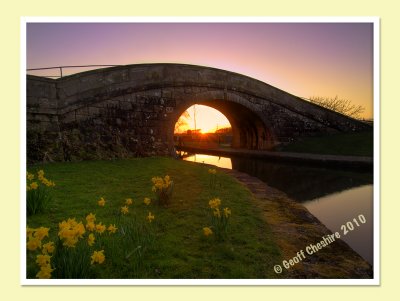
[[182, 122], [340, 105]]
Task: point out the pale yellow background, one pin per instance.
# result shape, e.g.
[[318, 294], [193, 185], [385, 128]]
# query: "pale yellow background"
[[9, 125]]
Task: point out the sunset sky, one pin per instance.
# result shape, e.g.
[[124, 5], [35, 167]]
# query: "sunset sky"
[[305, 59]]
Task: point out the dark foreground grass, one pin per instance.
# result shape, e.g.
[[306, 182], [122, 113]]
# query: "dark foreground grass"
[[176, 246], [349, 144]]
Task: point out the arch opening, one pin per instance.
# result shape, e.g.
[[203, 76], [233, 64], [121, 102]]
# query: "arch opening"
[[203, 126], [242, 129]]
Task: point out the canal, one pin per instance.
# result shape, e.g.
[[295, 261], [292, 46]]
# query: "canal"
[[335, 196]]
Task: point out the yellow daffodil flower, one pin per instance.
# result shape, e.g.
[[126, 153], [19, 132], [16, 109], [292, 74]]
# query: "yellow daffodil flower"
[[227, 212], [98, 257], [33, 186], [150, 217], [45, 272], [42, 260], [217, 213], [48, 248], [41, 233], [90, 226], [101, 202], [100, 228], [112, 229], [124, 210], [147, 201], [33, 244], [207, 231], [91, 218], [29, 232], [91, 239], [70, 231], [212, 171], [214, 203]]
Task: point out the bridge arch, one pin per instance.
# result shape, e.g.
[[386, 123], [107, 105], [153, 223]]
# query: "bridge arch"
[[131, 110], [250, 129]]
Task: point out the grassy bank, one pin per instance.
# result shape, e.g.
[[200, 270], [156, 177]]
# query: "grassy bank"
[[173, 244], [349, 144]]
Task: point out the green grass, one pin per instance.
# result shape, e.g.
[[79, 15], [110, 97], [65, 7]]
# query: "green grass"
[[350, 144], [176, 246]]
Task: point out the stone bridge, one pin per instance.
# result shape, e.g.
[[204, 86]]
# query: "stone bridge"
[[131, 110]]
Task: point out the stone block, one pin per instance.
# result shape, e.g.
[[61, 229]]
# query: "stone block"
[[68, 117], [93, 111], [83, 111]]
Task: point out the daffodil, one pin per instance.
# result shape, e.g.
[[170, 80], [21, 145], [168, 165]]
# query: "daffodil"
[[90, 226], [207, 231], [41, 233], [29, 232], [70, 231], [101, 202], [80, 230], [147, 201], [214, 203], [33, 244], [91, 239], [227, 212], [48, 248], [42, 260], [167, 181], [128, 202], [212, 171], [47, 182], [217, 213], [98, 257], [45, 272], [100, 228], [112, 229], [91, 218], [30, 176], [40, 174], [124, 210], [33, 186], [71, 241], [150, 217], [160, 183]]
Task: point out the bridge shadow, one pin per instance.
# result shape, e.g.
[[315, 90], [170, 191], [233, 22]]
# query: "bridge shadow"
[[300, 181]]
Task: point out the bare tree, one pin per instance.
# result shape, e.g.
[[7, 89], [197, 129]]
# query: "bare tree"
[[343, 106], [182, 122]]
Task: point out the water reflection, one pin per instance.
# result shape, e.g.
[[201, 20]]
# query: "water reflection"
[[301, 182], [337, 209], [334, 196], [213, 160]]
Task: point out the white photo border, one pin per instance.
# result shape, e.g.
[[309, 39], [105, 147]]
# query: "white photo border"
[[209, 282]]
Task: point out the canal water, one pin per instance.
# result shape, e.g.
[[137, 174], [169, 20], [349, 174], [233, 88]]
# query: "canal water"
[[334, 196]]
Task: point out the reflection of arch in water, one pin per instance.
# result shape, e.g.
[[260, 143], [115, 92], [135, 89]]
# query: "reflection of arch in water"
[[301, 182]]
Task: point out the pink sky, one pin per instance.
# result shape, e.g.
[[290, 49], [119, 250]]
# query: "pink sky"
[[305, 59]]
